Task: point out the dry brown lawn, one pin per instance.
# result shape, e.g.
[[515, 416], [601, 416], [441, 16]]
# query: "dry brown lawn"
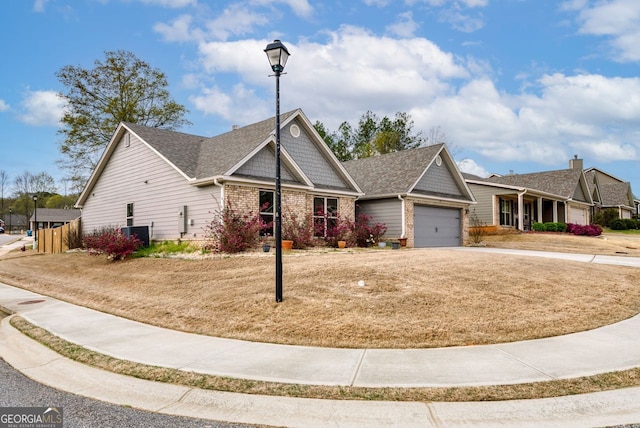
[[411, 298]]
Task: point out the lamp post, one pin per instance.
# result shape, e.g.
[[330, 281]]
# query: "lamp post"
[[10, 215], [278, 55], [35, 221]]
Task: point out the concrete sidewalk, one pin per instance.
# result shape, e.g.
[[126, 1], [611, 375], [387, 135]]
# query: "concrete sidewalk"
[[610, 348], [615, 347]]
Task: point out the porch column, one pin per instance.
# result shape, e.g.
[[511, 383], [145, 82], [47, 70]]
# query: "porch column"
[[539, 219], [555, 211], [521, 211]]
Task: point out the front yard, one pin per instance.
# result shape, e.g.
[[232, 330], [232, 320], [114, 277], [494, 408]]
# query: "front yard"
[[411, 298]]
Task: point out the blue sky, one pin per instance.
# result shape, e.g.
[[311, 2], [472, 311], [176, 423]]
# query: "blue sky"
[[516, 85]]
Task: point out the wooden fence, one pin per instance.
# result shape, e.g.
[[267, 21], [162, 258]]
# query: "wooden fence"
[[54, 241]]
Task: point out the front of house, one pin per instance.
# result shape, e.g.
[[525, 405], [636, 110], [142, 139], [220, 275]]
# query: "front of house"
[[519, 200], [175, 183], [419, 194]]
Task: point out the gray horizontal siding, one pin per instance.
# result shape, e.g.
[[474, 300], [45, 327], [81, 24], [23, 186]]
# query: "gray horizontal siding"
[[387, 211], [484, 196], [159, 200]]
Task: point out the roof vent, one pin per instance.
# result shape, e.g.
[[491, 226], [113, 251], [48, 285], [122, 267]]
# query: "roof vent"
[[234, 127]]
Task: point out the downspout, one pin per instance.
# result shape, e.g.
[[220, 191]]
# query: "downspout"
[[404, 226], [217, 183]]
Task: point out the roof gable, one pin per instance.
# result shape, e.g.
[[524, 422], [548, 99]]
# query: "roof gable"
[[203, 160], [410, 171]]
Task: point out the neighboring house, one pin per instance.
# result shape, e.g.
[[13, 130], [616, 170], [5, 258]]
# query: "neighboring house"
[[15, 223], [48, 218], [174, 183], [609, 191], [419, 194], [518, 200]]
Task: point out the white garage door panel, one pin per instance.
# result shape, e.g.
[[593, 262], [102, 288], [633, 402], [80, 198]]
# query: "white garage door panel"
[[577, 216], [436, 227]]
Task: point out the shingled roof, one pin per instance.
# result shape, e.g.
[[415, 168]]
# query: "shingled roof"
[[393, 173], [561, 182], [615, 194], [201, 157]]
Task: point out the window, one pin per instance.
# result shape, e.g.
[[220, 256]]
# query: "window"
[[267, 211], [325, 214], [130, 214], [505, 212]]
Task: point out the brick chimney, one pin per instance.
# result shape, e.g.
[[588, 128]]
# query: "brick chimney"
[[576, 163]]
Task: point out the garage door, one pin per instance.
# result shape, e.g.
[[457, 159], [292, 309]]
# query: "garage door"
[[577, 216], [436, 226]]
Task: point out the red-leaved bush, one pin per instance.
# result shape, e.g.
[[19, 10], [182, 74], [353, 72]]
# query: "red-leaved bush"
[[584, 230], [233, 232], [112, 242]]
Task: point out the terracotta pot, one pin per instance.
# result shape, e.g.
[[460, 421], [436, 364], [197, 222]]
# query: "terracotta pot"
[[286, 244], [403, 242], [342, 244]]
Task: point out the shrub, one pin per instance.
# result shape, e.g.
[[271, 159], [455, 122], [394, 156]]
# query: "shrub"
[[618, 224], [538, 227], [300, 232], [364, 234], [112, 242], [588, 230], [631, 223], [550, 227], [561, 227], [606, 217], [338, 229], [233, 232]]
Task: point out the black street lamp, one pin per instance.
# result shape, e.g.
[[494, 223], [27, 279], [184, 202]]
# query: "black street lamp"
[[10, 215], [278, 55], [35, 218]]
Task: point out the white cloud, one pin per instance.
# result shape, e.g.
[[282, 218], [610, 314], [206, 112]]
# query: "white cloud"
[[619, 20], [4, 106], [462, 21], [39, 5], [404, 26], [300, 7], [179, 30], [235, 20], [42, 108], [175, 4], [241, 106], [471, 167]]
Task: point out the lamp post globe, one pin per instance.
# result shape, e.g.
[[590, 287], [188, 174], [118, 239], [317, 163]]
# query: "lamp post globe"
[[278, 54]]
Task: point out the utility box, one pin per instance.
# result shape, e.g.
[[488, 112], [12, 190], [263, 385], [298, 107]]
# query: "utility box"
[[141, 232]]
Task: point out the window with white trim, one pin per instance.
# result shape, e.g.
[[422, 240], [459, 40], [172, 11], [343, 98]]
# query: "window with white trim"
[[325, 214]]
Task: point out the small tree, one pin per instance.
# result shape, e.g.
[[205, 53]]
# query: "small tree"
[[477, 229]]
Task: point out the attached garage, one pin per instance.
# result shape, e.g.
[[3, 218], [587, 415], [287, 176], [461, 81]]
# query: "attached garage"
[[437, 226], [578, 216]]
